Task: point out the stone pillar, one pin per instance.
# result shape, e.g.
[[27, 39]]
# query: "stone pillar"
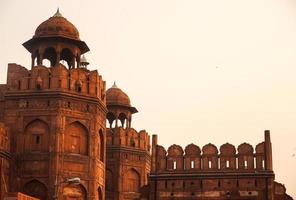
[[58, 56], [78, 60], [268, 166], [129, 122], [268, 151], [32, 62], [154, 154], [73, 62], [41, 54]]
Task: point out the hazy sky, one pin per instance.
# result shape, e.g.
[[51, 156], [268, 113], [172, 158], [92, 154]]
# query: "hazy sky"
[[197, 70]]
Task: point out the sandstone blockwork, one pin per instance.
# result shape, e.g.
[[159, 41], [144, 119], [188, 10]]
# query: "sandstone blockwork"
[[208, 173], [63, 136], [53, 118]]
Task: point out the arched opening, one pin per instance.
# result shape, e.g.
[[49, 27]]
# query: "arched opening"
[[192, 164], [68, 57], [122, 118], [37, 136], [227, 164], [111, 118], [71, 192], [35, 58], [76, 139], [245, 164], [102, 145], [36, 189], [100, 194], [131, 181], [51, 55], [174, 165], [46, 62]]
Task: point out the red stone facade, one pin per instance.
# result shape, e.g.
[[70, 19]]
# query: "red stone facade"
[[56, 119], [5, 157], [128, 151], [53, 128], [230, 173]]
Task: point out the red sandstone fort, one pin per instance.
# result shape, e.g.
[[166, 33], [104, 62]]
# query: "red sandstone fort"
[[54, 142]]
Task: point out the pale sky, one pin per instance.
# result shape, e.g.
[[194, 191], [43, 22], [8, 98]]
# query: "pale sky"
[[197, 70]]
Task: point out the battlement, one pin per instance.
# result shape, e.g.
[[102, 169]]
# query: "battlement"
[[208, 158], [128, 137], [41, 78]]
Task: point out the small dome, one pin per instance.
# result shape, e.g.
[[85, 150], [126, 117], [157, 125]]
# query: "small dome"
[[55, 26], [115, 96], [83, 62]]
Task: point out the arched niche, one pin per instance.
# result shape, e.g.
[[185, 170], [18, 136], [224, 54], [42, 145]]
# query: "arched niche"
[[76, 139], [37, 136], [101, 146], [77, 192], [36, 189], [109, 181], [132, 181]]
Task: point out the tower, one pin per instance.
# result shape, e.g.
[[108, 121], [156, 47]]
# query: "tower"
[[56, 118], [128, 151]]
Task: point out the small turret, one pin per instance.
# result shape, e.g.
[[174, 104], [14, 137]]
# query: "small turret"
[[119, 107], [83, 62], [58, 41]]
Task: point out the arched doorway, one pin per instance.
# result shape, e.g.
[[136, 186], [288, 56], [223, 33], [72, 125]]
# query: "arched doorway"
[[131, 181], [75, 192], [36, 189]]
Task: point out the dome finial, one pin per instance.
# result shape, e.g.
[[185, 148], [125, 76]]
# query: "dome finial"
[[83, 62], [58, 14], [114, 85]]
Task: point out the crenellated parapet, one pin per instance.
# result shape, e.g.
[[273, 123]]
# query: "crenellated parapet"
[[78, 81], [128, 138], [209, 158], [128, 162]]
